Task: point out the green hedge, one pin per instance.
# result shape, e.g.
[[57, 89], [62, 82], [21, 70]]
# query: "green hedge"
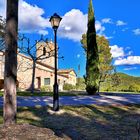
[[46, 88], [68, 87]]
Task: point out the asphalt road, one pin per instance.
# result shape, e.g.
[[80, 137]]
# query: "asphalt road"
[[78, 100]]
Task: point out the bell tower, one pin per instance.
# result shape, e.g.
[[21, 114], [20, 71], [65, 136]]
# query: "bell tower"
[[46, 51]]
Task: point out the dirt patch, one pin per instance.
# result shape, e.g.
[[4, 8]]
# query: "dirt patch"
[[28, 132]]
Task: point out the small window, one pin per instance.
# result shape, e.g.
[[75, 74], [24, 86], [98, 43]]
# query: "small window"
[[46, 81]]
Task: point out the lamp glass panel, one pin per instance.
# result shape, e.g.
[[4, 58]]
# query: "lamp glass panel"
[[55, 22]]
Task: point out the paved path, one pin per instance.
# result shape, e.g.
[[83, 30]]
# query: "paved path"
[[78, 100]]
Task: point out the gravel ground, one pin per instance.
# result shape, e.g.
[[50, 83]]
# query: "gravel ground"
[[28, 132]]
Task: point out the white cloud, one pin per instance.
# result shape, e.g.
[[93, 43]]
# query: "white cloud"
[[78, 55], [99, 28], [30, 17], [137, 31], [127, 48], [125, 29], [130, 68], [109, 37], [43, 32], [117, 51], [32, 20], [130, 53], [120, 23], [73, 25], [130, 60], [107, 20]]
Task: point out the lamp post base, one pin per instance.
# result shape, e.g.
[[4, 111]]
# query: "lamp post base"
[[55, 98]]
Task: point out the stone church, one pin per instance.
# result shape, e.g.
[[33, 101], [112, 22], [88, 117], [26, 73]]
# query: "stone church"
[[44, 71]]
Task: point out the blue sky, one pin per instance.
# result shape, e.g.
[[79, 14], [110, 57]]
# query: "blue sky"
[[117, 20]]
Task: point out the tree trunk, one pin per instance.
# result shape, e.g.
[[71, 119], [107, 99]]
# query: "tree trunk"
[[33, 77], [10, 73]]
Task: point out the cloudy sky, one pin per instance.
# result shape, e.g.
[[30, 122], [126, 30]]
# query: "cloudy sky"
[[117, 20]]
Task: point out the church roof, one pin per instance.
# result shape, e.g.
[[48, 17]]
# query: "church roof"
[[65, 71]]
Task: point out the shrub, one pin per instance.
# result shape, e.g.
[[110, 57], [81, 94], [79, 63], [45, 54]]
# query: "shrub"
[[46, 88], [133, 88], [68, 87], [80, 84], [91, 89]]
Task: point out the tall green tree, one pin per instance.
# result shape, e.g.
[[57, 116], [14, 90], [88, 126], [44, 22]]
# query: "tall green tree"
[[92, 70], [10, 73], [105, 58]]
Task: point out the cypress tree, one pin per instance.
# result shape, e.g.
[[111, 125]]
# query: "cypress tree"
[[92, 70]]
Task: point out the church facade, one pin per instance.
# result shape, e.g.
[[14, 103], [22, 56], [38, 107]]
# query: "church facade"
[[44, 71]]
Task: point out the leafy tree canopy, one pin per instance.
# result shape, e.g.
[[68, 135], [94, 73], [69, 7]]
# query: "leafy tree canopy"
[[105, 57]]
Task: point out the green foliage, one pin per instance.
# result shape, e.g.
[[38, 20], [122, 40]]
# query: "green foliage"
[[105, 58], [133, 88], [46, 88], [68, 87], [115, 79], [90, 12], [84, 42], [92, 69], [123, 83], [80, 84]]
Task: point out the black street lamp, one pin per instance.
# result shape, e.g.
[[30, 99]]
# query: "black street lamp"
[[55, 21]]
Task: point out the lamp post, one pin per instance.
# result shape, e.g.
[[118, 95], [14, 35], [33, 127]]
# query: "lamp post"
[[55, 21]]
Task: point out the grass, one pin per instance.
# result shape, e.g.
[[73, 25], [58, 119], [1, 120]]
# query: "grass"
[[70, 93], [120, 92], [27, 93], [85, 122]]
